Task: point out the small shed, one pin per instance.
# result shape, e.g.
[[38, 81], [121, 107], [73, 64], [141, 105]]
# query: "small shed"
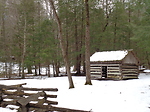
[[122, 64]]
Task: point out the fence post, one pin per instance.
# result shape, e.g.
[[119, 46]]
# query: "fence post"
[[23, 108]]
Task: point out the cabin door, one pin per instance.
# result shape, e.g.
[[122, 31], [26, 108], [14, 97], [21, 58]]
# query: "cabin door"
[[104, 71]]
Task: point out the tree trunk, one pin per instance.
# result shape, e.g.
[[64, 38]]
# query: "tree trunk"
[[83, 40], [115, 34], [147, 58], [24, 47], [84, 67], [6, 69], [87, 45], [77, 44], [10, 69], [30, 70], [65, 57], [57, 69], [48, 69], [35, 70], [129, 35], [3, 34], [54, 69], [19, 68], [39, 68]]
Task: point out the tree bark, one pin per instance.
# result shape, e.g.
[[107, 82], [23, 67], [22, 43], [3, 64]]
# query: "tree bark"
[[129, 20], [35, 70], [57, 69], [48, 69], [65, 57], [77, 43], [29, 70], [3, 35], [10, 70], [24, 47], [83, 40], [39, 68], [147, 58], [19, 68], [115, 34], [87, 45]]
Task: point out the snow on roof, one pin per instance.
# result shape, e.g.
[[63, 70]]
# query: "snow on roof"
[[109, 55]]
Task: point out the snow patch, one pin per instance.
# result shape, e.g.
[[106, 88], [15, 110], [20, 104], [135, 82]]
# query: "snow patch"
[[147, 71], [103, 96]]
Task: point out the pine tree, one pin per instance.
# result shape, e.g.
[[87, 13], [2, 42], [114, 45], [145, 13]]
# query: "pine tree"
[[142, 33], [25, 29]]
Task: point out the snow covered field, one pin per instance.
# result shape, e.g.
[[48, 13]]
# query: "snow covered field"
[[102, 96]]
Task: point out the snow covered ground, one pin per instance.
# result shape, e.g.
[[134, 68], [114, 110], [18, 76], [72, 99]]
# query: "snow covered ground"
[[102, 96]]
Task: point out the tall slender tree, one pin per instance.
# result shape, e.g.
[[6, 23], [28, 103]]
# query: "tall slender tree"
[[66, 60], [87, 45]]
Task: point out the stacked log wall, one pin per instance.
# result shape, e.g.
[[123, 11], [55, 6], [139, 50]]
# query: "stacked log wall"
[[96, 70], [130, 71], [114, 72]]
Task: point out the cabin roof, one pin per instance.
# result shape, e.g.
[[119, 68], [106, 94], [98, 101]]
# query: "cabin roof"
[[109, 55]]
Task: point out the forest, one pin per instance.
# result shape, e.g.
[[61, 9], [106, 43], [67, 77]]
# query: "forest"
[[29, 34]]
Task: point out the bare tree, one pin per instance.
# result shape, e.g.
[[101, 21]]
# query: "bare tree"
[[65, 57], [87, 45]]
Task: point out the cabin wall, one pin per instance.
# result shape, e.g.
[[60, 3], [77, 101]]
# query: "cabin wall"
[[96, 70], [105, 70], [130, 71], [130, 59], [114, 71]]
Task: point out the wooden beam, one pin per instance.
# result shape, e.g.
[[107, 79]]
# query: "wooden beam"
[[40, 89], [104, 65]]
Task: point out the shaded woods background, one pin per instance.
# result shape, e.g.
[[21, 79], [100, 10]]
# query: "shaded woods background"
[[29, 34]]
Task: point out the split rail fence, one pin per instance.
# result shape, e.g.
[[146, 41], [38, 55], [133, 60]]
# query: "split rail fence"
[[31, 99]]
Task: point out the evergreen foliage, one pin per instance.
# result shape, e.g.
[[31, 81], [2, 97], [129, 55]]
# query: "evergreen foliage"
[[114, 25], [142, 34]]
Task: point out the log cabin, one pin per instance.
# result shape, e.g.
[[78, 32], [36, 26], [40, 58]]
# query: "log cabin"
[[121, 64]]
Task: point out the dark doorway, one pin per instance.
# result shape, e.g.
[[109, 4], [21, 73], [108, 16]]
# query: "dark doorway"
[[104, 71]]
